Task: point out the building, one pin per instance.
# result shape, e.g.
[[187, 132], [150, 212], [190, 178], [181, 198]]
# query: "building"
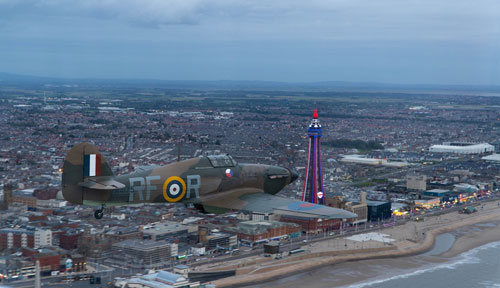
[[49, 259], [51, 203], [16, 267], [171, 231], [69, 239], [253, 231], [462, 148], [416, 182], [440, 193], [272, 247], [427, 202], [43, 238], [117, 234], [313, 183], [359, 159], [378, 210], [262, 216], [181, 270], [7, 196], [312, 224], [221, 240], [78, 262], [25, 197], [16, 238], [92, 245], [492, 158], [142, 254], [358, 208], [162, 279]]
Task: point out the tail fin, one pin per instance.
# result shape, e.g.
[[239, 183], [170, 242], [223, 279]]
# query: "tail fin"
[[82, 161]]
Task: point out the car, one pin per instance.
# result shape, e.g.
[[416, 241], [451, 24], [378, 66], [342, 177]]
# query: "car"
[[331, 233], [305, 241]]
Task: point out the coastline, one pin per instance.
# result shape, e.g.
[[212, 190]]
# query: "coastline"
[[468, 237], [472, 237], [366, 273]]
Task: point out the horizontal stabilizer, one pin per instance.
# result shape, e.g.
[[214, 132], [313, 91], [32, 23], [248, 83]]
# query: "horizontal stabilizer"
[[101, 183]]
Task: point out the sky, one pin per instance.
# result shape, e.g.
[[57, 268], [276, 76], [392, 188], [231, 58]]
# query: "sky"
[[386, 41]]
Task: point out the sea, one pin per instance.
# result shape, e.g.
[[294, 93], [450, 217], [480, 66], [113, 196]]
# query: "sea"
[[479, 267]]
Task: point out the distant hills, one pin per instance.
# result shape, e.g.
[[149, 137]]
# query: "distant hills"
[[8, 79]]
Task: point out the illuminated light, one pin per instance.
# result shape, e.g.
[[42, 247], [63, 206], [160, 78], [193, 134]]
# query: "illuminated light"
[[306, 205]]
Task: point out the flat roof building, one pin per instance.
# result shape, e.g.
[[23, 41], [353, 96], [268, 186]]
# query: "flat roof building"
[[459, 148], [378, 210], [252, 231], [146, 254], [171, 231], [162, 279]]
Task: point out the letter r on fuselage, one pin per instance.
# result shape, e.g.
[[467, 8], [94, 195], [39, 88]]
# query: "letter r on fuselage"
[[139, 188]]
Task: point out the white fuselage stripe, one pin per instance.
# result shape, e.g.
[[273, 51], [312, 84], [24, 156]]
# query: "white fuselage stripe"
[[92, 165]]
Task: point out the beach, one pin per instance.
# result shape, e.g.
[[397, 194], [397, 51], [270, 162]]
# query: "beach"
[[350, 261]]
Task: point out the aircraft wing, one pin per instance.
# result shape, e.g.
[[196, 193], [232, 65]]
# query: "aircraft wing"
[[262, 202], [267, 203]]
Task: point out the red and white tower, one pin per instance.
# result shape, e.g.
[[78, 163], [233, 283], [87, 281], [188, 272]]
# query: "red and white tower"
[[313, 183]]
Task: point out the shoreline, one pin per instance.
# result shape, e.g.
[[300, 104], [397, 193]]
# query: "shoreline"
[[314, 261], [473, 238]]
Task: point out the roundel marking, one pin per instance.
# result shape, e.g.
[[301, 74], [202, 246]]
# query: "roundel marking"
[[174, 189]]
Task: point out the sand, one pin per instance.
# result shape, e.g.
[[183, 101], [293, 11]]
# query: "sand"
[[474, 236]]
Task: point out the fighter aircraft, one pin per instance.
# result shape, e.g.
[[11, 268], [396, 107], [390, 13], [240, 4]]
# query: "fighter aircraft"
[[214, 184]]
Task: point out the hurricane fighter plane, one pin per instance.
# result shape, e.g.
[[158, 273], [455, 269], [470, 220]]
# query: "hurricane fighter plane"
[[214, 184]]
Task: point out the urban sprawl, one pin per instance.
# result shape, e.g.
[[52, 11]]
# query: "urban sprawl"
[[388, 157]]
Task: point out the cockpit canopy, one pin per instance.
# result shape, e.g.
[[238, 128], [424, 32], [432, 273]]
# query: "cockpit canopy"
[[221, 161]]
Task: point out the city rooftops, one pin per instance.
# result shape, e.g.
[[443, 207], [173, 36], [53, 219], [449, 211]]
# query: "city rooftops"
[[162, 279], [166, 227], [375, 203], [169, 277], [438, 190], [258, 227], [29, 231], [138, 244]]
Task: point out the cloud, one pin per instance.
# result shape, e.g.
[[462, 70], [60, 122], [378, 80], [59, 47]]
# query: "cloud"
[[152, 12], [319, 19], [365, 14], [279, 36]]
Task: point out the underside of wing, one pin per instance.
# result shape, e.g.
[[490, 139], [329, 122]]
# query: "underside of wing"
[[262, 202], [267, 203]]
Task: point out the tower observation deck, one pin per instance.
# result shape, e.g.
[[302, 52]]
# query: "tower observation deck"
[[313, 182]]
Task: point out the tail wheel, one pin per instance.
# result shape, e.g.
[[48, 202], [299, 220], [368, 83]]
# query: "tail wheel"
[[98, 214]]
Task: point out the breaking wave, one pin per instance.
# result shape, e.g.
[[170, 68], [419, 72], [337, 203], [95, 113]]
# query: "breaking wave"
[[469, 257]]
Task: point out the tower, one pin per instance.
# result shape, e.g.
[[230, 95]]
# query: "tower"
[[313, 183]]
